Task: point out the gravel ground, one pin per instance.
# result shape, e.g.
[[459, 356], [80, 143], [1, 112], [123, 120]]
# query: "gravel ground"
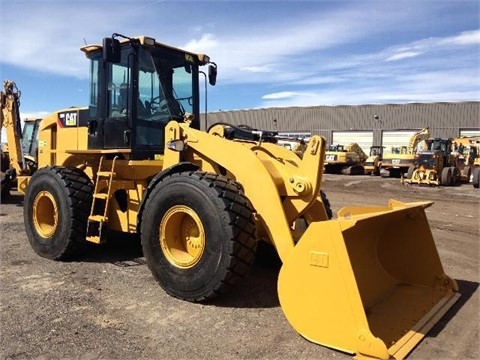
[[106, 304]]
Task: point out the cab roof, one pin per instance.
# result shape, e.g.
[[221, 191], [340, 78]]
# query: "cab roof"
[[147, 42]]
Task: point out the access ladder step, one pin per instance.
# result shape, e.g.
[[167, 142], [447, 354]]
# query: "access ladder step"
[[105, 174], [97, 218], [94, 239], [102, 196]]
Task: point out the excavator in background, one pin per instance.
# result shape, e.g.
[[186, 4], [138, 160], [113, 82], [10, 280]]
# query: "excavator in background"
[[136, 161], [345, 159], [397, 162], [18, 156], [373, 163], [436, 166]]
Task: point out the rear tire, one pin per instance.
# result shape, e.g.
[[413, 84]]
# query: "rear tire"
[[198, 235], [56, 209]]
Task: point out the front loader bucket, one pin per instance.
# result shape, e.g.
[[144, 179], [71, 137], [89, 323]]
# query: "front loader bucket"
[[370, 282]]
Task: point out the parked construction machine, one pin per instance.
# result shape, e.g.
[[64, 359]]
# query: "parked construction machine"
[[18, 156], [136, 161], [436, 166], [344, 159], [373, 163], [397, 162], [468, 149]]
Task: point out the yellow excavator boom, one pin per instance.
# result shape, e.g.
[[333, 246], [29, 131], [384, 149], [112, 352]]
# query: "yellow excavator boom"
[[10, 120]]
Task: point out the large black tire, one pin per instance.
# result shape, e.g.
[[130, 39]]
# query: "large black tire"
[[467, 171], [410, 171], [326, 204], [198, 235], [476, 178], [56, 209], [446, 177], [455, 175]]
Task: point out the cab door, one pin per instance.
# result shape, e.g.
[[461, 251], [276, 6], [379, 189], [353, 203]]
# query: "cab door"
[[117, 130]]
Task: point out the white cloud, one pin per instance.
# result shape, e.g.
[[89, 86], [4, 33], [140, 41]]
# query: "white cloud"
[[464, 38], [202, 45], [257, 69], [330, 52], [281, 95], [403, 55]]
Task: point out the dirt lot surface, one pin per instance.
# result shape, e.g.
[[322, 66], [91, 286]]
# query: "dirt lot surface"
[[106, 305]]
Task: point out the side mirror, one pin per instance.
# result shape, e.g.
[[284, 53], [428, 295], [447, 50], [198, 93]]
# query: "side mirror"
[[212, 75], [112, 51]]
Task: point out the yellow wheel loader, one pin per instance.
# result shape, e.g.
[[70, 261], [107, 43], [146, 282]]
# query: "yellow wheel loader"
[[135, 161]]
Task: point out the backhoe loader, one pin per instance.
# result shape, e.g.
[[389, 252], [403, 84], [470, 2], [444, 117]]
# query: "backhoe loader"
[[135, 161], [373, 164]]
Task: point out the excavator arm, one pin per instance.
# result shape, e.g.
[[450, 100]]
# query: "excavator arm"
[[13, 162], [10, 120], [421, 135]]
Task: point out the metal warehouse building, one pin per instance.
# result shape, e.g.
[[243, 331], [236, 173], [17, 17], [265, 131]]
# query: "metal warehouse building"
[[387, 125]]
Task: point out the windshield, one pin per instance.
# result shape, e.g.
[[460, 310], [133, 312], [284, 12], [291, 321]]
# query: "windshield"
[[165, 90], [165, 83]]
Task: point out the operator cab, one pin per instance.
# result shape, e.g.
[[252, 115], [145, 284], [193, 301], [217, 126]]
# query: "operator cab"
[[441, 145], [136, 87]]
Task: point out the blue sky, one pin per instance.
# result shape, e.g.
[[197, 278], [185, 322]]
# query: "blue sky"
[[269, 53]]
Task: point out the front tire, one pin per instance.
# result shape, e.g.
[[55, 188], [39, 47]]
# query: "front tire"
[[446, 177], [476, 178], [410, 171], [198, 235], [56, 209]]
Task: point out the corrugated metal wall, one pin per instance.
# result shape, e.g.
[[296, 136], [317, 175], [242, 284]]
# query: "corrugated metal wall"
[[444, 119]]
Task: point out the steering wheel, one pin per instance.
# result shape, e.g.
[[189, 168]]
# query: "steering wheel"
[[155, 103]]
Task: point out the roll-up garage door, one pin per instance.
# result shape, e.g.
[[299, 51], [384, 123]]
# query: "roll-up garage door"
[[363, 138], [396, 138], [470, 132]]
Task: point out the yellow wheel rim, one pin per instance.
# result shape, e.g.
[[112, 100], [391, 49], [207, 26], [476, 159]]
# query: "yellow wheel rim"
[[182, 237], [45, 214]]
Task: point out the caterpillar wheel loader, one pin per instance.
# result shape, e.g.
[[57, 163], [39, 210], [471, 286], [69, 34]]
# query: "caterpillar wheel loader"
[[136, 161], [18, 157], [436, 166], [345, 159]]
